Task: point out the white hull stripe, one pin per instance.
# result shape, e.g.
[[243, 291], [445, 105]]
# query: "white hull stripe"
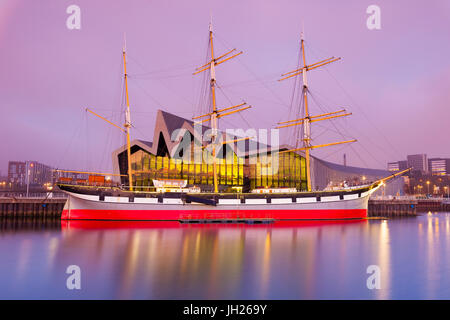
[[172, 201], [281, 200], [116, 199], [306, 200], [146, 200], [350, 196], [255, 201], [331, 198], [229, 201], [109, 199]]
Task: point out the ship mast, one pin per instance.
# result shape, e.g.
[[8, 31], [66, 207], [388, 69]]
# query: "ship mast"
[[216, 113], [306, 126], [127, 124], [308, 119]]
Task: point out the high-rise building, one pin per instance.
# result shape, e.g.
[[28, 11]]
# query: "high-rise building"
[[439, 166], [29, 172], [418, 162], [16, 172], [397, 165], [393, 166]]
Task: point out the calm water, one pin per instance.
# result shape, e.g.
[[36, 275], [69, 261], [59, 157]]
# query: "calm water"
[[172, 261]]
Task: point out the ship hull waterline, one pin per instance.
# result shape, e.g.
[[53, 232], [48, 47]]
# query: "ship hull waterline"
[[86, 207]]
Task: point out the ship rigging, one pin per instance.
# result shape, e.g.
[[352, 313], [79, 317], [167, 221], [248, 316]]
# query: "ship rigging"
[[308, 119]]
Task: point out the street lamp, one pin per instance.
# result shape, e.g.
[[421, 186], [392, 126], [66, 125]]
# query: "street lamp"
[[448, 191], [428, 186], [28, 167]]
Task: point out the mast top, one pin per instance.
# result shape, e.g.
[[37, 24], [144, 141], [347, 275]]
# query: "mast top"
[[302, 33]]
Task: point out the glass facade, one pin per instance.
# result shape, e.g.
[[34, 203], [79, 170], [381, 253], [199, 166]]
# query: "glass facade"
[[284, 170], [146, 167]]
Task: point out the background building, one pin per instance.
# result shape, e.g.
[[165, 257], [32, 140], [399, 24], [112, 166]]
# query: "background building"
[[418, 162], [16, 172], [397, 166], [38, 173], [248, 164], [422, 166], [439, 166], [428, 177]]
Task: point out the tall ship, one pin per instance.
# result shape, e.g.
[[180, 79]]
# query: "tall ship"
[[194, 172]]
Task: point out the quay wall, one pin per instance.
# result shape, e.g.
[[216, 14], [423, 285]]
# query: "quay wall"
[[29, 207], [378, 206], [392, 208]]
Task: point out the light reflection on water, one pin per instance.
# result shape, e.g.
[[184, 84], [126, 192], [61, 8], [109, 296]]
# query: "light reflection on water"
[[168, 260]]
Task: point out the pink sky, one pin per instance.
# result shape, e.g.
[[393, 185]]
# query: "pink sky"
[[396, 80]]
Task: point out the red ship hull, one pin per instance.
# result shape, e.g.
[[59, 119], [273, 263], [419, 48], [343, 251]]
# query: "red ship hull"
[[168, 215], [120, 206]]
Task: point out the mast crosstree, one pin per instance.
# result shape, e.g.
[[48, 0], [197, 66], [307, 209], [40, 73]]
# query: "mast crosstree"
[[308, 119]]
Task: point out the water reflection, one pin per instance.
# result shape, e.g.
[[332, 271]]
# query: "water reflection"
[[29, 224], [384, 260], [169, 260]]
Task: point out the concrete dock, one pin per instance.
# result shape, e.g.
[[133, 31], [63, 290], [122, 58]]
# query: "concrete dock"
[[431, 204], [446, 205], [394, 207], [30, 207]]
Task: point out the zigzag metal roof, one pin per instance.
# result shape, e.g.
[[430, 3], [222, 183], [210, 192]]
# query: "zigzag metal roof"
[[168, 123]]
